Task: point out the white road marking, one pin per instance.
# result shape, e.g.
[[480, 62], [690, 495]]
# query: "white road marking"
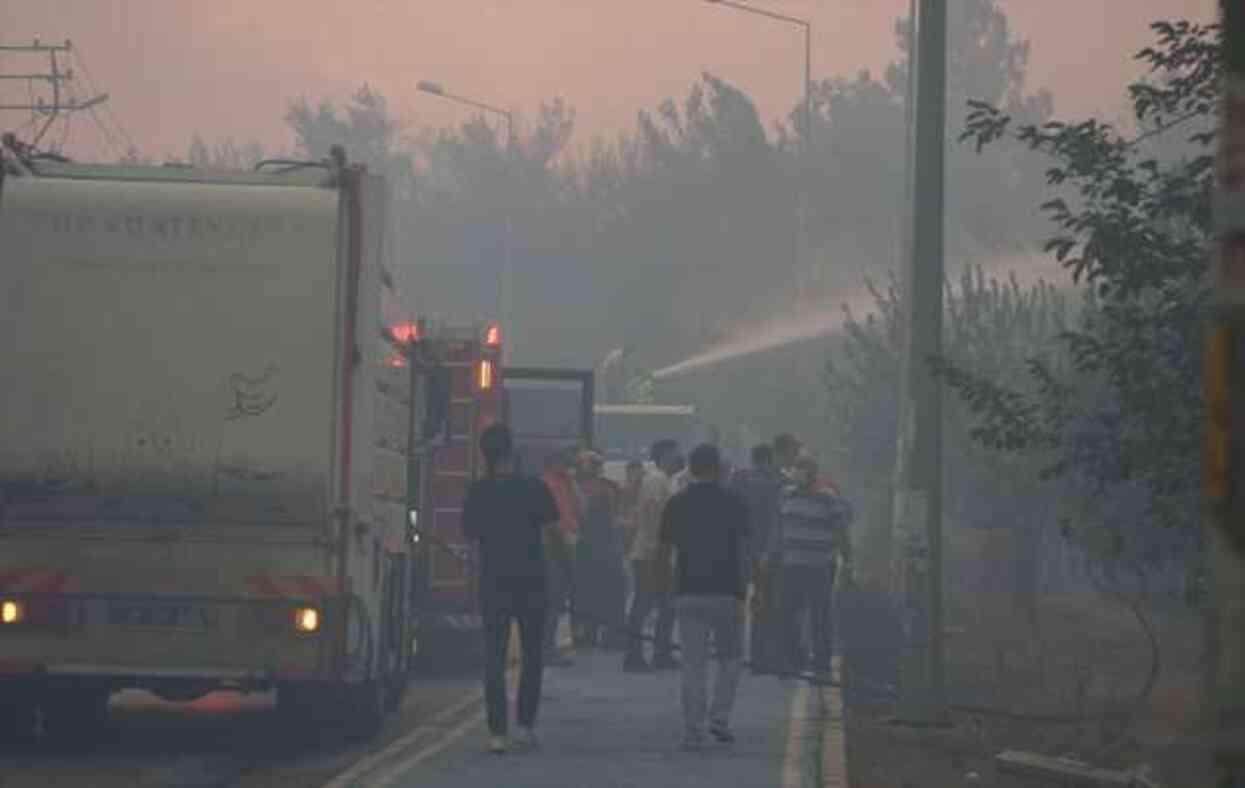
[[374, 762], [362, 767], [403, 767]]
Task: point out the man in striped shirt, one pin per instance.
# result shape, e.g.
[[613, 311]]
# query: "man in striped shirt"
[[812, 540]]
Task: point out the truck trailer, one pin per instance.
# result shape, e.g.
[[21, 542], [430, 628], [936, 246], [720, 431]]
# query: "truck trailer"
[[209, 438]]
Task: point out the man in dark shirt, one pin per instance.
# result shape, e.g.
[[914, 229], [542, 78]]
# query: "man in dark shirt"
[[761, 487], [707, 527], [508, 515]]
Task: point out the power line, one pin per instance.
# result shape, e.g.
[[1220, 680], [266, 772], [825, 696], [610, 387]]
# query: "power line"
[[64, 100], [90, 81]]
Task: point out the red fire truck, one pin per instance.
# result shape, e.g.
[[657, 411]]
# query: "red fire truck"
[[465, 369], [548, 410]]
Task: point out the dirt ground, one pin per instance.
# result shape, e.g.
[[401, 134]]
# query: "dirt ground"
[[1082, 655]]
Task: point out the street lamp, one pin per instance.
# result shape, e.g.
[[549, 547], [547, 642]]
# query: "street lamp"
[[807, 135], [807, 26], [507, 283]]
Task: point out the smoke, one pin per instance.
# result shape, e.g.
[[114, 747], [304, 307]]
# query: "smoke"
[[827, 318]]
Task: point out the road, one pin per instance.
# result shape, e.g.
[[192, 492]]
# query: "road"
[[224, 739], [598, 726], [607, 729]]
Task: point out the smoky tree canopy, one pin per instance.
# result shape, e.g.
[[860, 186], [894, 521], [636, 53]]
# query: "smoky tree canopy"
[[365, 126], [1134, 224]]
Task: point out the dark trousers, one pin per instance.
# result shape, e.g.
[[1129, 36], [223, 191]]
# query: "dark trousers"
[[646, 600], [528, 610], [807, 589]]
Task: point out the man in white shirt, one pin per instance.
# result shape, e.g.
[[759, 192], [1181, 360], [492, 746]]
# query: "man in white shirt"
[[650, 591]]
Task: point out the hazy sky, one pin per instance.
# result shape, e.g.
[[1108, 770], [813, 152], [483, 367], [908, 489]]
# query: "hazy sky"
[[228, 68]]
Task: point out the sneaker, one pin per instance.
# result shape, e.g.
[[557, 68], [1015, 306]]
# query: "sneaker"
[[636, 665], [498, 745], [722, 732], [558, 660], [666, 663], [525, 738]]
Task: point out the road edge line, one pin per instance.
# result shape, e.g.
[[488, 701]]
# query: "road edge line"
[[397, 770], [394, 749]]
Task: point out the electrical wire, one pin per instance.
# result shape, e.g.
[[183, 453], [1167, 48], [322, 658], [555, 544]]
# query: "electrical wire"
[[65, 131], [108, 110]]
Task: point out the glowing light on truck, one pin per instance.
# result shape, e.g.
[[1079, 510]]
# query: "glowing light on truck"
[[11, 612], [484, 375]]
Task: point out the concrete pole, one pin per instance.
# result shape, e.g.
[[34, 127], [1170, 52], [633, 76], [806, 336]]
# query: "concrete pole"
[[1225, 396], [917, 509]]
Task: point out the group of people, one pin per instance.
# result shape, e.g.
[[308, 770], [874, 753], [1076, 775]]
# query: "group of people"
[[687, 541]]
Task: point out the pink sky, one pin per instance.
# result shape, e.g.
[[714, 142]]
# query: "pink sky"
[[228, 68]]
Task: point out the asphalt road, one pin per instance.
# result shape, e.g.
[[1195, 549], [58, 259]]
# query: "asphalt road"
[[224, 739]]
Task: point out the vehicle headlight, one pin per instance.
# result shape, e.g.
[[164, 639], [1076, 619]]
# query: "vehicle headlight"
[[12, 612], [307, 619]]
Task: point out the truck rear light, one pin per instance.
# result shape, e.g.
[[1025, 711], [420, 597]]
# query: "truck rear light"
[[406, 333], [12, 612], [492, 337], [307, 620], [484, 375]]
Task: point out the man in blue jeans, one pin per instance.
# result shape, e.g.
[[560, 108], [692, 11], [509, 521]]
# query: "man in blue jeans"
[[707, 527], [508, 514]]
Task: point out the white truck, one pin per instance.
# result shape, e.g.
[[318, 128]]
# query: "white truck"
[[208, 421]]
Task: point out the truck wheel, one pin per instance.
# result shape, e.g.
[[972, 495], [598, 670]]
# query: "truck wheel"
[[307, 707], [366, 705], [17, 718], [395, 691], [75, 715]]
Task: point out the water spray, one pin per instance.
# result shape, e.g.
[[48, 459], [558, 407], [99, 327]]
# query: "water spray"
[[829, 318]]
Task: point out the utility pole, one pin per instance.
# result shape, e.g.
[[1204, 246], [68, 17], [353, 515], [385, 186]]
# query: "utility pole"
[[917, 513], [1225, 437], [56, 77]]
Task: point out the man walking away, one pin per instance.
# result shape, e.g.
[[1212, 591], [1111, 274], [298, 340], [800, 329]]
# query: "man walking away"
[[813, 537], [651, 592], [508, 514], [761, 487], [560, 546], [707, 526]]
